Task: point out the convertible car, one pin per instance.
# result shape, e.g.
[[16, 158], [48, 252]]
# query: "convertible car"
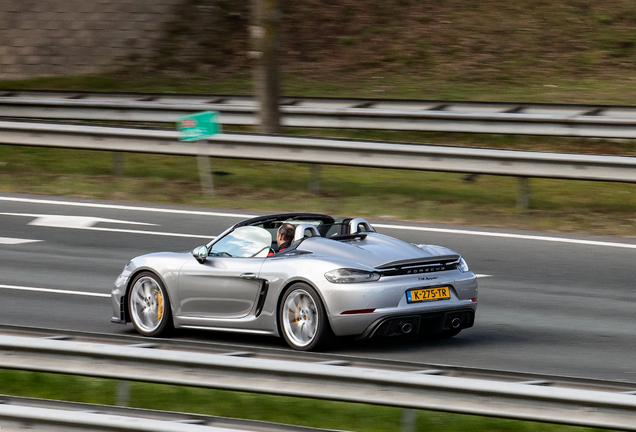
[[337, 278]]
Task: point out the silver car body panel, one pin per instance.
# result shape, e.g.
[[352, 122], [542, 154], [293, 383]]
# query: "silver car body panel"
[[235, 292], [242, 294]]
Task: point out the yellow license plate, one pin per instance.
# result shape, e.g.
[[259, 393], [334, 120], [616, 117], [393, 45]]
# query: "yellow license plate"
[[427, 294]]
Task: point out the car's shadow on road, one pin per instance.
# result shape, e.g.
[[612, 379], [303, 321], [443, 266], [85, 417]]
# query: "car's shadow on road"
[[468, 339], [483, 338]]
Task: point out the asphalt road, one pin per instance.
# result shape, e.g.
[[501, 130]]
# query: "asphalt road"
[[548, 303]]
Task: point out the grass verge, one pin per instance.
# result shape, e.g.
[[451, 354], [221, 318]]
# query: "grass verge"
[[546, 88], [288, 410]]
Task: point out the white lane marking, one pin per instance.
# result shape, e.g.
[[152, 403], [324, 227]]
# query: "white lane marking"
[[398, 227], [483, 275], [123, 207], [86, 223], [16, 241], [508, 235], [54, 291]]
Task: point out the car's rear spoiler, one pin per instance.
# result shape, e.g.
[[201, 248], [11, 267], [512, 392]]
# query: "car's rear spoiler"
[[417, 262]]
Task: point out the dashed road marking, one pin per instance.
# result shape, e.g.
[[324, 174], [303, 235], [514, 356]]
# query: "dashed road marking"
[[16, 241], [86, 223]]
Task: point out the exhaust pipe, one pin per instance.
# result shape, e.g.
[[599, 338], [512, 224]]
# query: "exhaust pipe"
[[455, 323], [407, 328]]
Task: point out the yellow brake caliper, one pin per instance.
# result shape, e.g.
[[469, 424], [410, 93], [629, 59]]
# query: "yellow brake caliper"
[[159, 305]]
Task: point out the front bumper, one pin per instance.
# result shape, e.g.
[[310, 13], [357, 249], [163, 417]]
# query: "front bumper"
[[119, 314], [117, 298]]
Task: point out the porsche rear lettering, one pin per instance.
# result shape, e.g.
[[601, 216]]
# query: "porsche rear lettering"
[[426, 270]]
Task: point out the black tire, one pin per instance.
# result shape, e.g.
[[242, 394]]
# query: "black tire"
[[302, 318], [149, 305]]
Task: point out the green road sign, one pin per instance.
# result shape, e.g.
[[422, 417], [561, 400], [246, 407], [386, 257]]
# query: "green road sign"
[[198, 126]]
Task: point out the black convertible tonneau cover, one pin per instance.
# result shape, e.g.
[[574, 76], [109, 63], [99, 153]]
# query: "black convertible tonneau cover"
[[285, 216]]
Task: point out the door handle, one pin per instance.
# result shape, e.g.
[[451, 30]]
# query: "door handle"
[[248, 276]]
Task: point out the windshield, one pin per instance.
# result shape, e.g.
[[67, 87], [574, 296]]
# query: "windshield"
[[243, 242]]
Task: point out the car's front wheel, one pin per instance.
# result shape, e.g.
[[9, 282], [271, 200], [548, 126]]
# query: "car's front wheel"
[[149, 306], [303, 320]]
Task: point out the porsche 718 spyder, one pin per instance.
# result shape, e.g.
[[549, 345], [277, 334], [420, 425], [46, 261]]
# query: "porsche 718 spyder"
[[337, 278]]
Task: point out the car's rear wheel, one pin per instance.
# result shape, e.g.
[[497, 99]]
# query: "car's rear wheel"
[[303, 320], [149, 306]]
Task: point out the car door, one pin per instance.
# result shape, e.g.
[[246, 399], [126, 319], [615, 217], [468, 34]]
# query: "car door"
[[226, 284]]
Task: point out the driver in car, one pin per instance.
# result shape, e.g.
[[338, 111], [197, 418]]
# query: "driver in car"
[[284, 237]]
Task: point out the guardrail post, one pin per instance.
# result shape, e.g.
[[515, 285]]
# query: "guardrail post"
[[408, 420], [123, 393], [205, 172], [118, 164], [524, 193], [314, 178]]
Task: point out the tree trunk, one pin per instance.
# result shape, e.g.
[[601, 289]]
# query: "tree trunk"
[[265, 32]]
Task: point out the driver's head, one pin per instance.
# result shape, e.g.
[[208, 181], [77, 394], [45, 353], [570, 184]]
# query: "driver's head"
[[285, 233]]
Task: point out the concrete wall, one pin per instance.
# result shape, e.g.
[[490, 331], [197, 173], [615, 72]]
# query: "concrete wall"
[[71, 37]]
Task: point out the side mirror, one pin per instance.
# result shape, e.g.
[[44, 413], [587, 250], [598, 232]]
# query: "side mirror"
[[200, 253]]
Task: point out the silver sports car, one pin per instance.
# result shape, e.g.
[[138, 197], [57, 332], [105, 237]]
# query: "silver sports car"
[[337, 278]]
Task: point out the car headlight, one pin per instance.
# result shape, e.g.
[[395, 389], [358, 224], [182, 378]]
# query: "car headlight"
[[462, 266], [347, 275]]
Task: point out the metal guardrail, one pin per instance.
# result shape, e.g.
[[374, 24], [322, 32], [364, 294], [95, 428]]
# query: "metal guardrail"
[[51, 415], [599, 121], [280, 353], [63, 420], [327, 151], [322, 381]]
